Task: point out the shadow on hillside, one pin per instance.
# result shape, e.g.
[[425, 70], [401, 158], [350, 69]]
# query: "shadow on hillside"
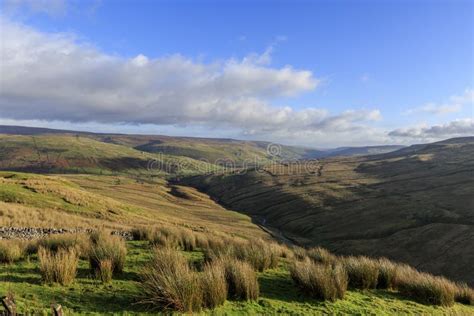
[[123, 163]]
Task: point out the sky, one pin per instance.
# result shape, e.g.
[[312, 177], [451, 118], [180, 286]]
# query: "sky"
[[310, 73]]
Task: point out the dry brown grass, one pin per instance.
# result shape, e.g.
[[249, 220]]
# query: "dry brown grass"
[[11, 250], [299, 253], [214, 285], [321, 281], [105, 246], [387, 273], [241, 279], [59, 267], [104, 272], [79, 242], [321, 255], [258, 253], [464, 294], [363, 272], [169, 283]]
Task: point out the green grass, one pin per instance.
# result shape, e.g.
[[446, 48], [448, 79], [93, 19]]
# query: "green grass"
[[278, 294]]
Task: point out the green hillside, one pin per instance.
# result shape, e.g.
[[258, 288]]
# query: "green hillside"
[[414, 205], [65, 153]]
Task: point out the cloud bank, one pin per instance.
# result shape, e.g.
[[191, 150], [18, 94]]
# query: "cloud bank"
[[53, 77], [457, 128]]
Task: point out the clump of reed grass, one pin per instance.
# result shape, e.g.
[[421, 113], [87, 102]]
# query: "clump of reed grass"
[[321, 281], [321, 255], [464, 294], [214, 285], [104, 246], [241, 279], [169, 283], [104, 271], [363, 272], [11, 251], [58, 267]]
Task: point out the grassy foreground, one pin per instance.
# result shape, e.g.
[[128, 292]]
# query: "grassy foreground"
[[278, 294]]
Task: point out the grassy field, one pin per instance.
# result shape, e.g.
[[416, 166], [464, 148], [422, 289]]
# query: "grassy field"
[[86, 201], [278, 293], [414, 205]]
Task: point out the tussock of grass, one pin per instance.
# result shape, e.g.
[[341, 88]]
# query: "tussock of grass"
[[299, 252], [169, 283], [427, 289], [59, 266], [11, 250], [79, 242], [241, 279], [259, 254], [214, 285], [324, 282], [464, 294], [363, 272], [387, 274], [105, 246], [321, 255], [104, 272]]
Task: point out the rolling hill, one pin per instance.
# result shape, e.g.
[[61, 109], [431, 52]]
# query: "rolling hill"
[[414, 205], [214, 151]]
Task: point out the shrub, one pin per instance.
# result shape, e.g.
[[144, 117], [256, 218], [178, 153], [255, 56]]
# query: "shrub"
[[363, 272], [324, 282], [169, 283], [104, 271], [464, 294], [321, 255], [241, 279], [59, 267], [11, 250], [105, 246], [214, 286]]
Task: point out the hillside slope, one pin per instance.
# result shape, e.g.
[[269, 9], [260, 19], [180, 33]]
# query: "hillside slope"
[[66, 153], [116, 202], [414, 205]]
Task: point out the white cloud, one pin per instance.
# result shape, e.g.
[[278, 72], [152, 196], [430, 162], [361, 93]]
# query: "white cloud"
[[53, 77], [456, 128], [453, 105]]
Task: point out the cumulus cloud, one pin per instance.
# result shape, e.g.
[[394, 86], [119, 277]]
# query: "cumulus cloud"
[[456, 128], [54, 77], [453, 105]]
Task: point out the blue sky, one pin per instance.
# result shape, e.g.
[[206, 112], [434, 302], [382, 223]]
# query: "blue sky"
[[315, 73]]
